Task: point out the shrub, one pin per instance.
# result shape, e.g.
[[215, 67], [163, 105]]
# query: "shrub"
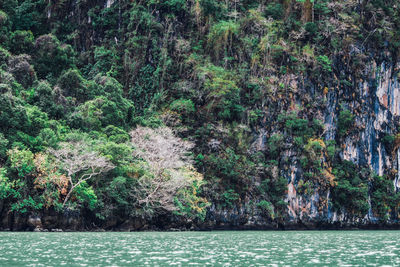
[[86, 195], [116, 134], [311, 29], [189, 203], [229, 197], [267, 208], [7, 187], [50, 57], [221, 36], [325, 63], [275, 143], [3, 147], [74, 85], [4, 56], [275, 190], [351, 192], [384, 198], [222, 92], [185, 107], [118, 154], [45, 98], [314, 149], [211, 8], [345, 121], [274, 10], [99, 112], [22, 71], [331, 149], [21, 161], [21, 42]]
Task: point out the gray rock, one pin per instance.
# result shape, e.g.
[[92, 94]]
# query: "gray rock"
[[34, 221]]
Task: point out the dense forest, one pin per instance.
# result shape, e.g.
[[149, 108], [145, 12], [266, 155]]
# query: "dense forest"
[[160, 114]]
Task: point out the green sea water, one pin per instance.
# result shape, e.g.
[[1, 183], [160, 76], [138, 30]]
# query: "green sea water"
[[230, 248]]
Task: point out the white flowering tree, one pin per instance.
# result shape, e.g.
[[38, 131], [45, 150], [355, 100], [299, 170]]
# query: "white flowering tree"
[[79, 163], [169, 160]]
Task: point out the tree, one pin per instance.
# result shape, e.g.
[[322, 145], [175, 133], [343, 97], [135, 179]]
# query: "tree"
[[73, 84], [51, 57], [80, 163], [6, 186], [170, 164]]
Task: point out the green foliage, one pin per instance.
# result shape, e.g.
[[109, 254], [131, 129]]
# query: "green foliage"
[[116, 134], [275, 143], [48, 137], [274, 10], [3, 146], [86, 195], [331, 149], [21, 42], [351, 191], [7, 188], [185, 107], [50, 57], [174, 6], [223, 94], [37, 119], [211, 8], [190, 204], [44, 97], [25, 205], [305, 188], [221, 35], [267, 208], [314, 149], [21, 161], [4, 56], [312, 29], [217, 72], [98, 113], [118, 154], [384, 198], [299, 126], [325, 63], [345, 122], [118, 191], [105, 62], [12, 114], [275, 190], [27, 15], [229, 197], [389, 140], [230, 166], [73, 85]]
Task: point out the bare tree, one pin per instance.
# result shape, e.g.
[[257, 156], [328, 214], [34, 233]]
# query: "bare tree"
[[161, 148], [169, 160], [80, 163]]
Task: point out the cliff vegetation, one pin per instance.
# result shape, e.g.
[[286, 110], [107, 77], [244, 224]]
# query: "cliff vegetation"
[[134, 114]]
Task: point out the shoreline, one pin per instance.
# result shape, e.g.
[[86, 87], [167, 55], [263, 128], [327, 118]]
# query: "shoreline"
[[395, 227]]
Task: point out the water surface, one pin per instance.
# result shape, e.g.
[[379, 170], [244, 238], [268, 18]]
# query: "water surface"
[[231, 248]]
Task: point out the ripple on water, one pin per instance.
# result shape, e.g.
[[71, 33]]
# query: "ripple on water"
[[343, 248]]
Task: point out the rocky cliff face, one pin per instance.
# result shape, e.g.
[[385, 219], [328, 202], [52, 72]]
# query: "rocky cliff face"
[[294, 108], [376, 104], [377, 108]]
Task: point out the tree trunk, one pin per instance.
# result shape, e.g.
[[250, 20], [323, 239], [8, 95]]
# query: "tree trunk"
[[287, 6], [68, 195], [306, 14]]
